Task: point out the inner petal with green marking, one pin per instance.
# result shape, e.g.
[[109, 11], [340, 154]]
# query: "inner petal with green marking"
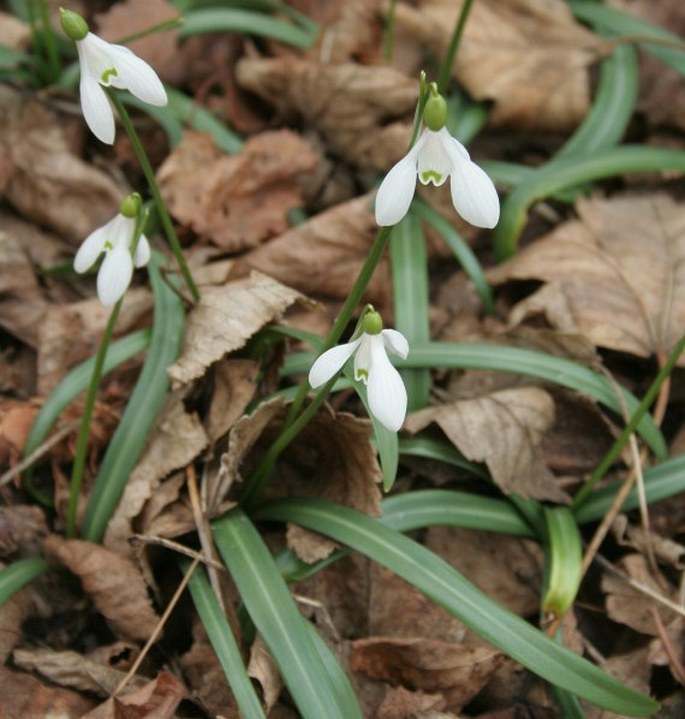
[[431, 176], [107, 74]]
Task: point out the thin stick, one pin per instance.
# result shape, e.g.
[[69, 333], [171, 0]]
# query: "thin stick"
[[176, 547]]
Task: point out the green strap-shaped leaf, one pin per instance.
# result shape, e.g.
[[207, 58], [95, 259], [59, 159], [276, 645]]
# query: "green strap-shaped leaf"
[[315, 685], [16, 575], [435, 578], [224, 643], [142, 409]]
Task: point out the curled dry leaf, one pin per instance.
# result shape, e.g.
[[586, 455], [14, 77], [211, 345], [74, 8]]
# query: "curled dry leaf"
[[350, 105], [15, 33], [22, 529], [73, 670], [225, 318], [240, 200], [503, 429], [528, 56], [157, 699], [234, 385], [456, 671], [615, 275], [322, 256], [400, 702], [263, 669], [176, 440], [43, 171], [12, 614], [113, 582]]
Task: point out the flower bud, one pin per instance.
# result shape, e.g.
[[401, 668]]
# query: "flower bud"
[[372, 323], [435, 112], [130, 205], [74, 26]]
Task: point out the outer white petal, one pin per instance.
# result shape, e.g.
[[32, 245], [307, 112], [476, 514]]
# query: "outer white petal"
[[137, 76], [330, 363], [115, 275], [142, 255], [473, 193], [396, 343], [96, 109], [385, 389], [434, 161], [91, 247], [397, 189]]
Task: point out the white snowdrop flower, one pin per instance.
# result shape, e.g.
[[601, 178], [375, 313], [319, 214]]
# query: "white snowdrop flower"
[[435, 156], [114, 239], [386, 393], [106, 65]]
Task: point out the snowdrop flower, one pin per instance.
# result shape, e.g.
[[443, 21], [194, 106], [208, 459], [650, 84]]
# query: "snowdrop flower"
[[386, 394], [107, 65], [435, 156], [114, 239]]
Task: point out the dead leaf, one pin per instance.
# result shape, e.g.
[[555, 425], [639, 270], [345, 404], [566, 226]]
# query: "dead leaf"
[[73, 670], [263, 669], [22, 695], [44, 171], [158, 699], [458, 672], [12, 614], [225, 318], [399, 702], [615, 275], [629, 606], [14, 33], [159, 49], [352, 106], [234, 386], [239, 200], [503, 429], [16, 418], [175, 441], [113, 582], [527, 56], [509, 572], [323, 256], [22, 530]]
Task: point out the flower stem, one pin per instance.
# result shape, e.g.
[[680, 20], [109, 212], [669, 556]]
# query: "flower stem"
[[84, 430], [154, 189], [448, 60], [293, 425]]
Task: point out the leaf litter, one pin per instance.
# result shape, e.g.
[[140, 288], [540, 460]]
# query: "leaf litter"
[[602, 286]]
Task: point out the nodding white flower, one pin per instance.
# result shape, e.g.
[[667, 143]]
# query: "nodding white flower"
[[435, 156], [386, 393], [106, 65], [116, 270]]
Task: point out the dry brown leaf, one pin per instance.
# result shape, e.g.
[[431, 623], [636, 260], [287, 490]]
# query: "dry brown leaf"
[[12, 614], [264, 670], [14, 33], [629, 606], [113, 582], [352, 106], [615, 275], [400, 702], [458, 672], [323, 256], [73, 670], [331, 459], [25, 696], [234, 385], [237, 201], [158, 699], [509, 572], [43, 171], [22, 530], [16, 418], [225, 318], [503, 429], [176, 440], [159, 49], [528, 56]]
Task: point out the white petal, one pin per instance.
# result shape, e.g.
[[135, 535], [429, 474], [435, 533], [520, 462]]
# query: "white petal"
[[330, 363], [434, 161], [137, 76], [91, 248], [96, 109], [397, 190], [94, 57], [396, 343], [115, 275], [142, 255], [363, 359], [385, 390], [473, 193]]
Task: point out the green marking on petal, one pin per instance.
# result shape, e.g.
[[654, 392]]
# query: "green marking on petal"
[[429, 175], [108, 245], [111, 72], [362, 375]]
